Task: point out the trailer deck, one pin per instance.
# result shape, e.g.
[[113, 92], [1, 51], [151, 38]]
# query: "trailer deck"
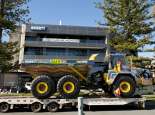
[[53, 104]]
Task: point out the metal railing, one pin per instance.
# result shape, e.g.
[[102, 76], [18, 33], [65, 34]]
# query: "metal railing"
[[65, 45], [47, 59]]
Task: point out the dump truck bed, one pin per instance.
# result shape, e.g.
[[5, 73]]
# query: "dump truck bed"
[[57, 70]]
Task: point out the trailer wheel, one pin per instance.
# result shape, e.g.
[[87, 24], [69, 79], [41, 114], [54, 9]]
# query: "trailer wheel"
[[68, 86], [4, 107], [43, 87], [126, 86], [36, 107], [141, 105], [53, 107]]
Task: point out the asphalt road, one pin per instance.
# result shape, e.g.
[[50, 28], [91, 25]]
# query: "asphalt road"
[[104, 110], [143, 112]]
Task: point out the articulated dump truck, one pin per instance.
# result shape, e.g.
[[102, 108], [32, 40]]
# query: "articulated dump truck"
[[114, 76]]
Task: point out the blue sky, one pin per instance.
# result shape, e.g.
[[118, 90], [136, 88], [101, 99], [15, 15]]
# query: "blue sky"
[[71, 12]]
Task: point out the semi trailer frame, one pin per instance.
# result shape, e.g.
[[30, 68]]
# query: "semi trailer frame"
[[53, 104]]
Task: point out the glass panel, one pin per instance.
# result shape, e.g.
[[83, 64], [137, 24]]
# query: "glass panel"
[[55, 51], [32, 38], [33, 51], [95, 41], [118, 59], [83, 40], [77, 52]]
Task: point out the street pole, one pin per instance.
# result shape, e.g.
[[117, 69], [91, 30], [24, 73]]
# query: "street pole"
[[80, 106]]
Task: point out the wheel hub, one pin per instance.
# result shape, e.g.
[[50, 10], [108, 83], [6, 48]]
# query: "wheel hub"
[[68, 87], [42, 87], [125, 87]]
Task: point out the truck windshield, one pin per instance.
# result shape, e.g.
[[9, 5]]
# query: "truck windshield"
[[115, 59]]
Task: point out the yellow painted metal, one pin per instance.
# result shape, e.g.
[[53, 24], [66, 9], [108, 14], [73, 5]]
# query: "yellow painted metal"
[[77, 72], [40, 91], [117, 68], [93, 57], [56, 61], [125, 87], [71, 85], [105, 77]]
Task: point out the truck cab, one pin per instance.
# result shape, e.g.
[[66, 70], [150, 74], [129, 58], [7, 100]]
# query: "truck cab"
[[121, 76]]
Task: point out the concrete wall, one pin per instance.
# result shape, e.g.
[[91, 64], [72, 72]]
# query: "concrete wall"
[[19, 36]]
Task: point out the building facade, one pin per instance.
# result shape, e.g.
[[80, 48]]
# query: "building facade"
[[41, 43]]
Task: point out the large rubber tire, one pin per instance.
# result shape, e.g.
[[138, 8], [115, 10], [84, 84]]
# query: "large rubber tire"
[[73, 83], [49, 84], [36, 107], [130, 84], [53, 107], [4, 107]]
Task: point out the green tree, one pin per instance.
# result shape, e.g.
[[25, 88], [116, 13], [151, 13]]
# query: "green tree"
[[129, 21], [7, 52], [12, 13]]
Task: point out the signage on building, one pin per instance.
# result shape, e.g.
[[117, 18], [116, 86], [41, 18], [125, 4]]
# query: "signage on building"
[[57, 61], [38, 28], [61, 40]]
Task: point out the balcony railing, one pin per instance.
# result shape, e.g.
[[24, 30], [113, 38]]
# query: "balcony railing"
[[47, 59], [65, 45]]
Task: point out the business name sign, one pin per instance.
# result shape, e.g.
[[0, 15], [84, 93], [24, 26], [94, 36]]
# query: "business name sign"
[[57, 61], [61, 40], [38, 28]]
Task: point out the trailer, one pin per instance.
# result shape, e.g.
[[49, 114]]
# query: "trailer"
[[54, 104]]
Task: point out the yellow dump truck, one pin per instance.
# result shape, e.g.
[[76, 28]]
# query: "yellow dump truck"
[[113, 75]]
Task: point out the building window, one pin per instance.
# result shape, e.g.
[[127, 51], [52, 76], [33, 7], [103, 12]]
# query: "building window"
[[33, 51], [96, 41], [77, 52], [96, 52], [83, 40], [32, 38], [55, 52]]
